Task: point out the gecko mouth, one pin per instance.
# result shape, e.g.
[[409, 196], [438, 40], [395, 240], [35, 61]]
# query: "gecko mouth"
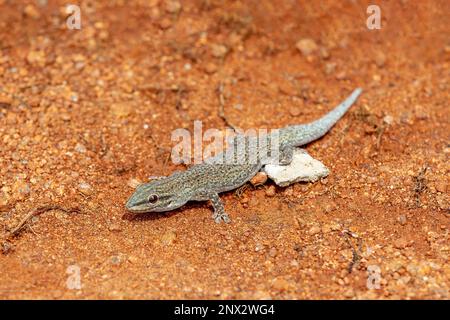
[[141, 207]]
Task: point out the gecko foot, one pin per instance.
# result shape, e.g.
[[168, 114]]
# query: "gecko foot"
[[219, 214], [222, 216]]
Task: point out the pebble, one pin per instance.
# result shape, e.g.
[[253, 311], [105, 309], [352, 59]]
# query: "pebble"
[[295, 111], [21, 188], [402, 219], [329, 207], [6, 247], [341, 75], [326, 228], [380, 59], [324, 53], [114, 227], [302, 168], [173, 6], [271, 191], [36, 57], [210, 68], [388, 119], [219, 50], [259, 179], [400, 243], [280, 284], [120, 110], [272, 252], [4, 201], [441, 186], [261, 295], [85, 188], [115, 260], [168, 238], [314, 230], [133, 259], [80, 148], [330, 67], [306, 46], [165, 23], [133, 183], [31, 11]]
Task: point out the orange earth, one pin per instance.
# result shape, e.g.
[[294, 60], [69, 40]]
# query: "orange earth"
[[86, 114]]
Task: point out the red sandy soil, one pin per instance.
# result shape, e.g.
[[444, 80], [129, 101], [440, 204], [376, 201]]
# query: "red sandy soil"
[[86, 114]]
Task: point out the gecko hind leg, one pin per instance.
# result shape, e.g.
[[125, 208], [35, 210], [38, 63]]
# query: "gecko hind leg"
[[219, 214]]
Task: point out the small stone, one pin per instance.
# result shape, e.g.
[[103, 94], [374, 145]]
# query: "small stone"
[[330, 67], [302, 168], [341, 75], [259, 179], [271, 191], [350, 293], [335, 226], [116, 260], [165, 23], [402, 219], [380, 59], [259, 247], [314, 230], [295, 111], [329, 207], [133, 183], [294, 263], [388, 119], [114, 227], [219, 50], [36, 58], [85, 188], [306, 46], [133, 259], [73, 97], [261, 295], [280, 284], [210, 68], [120, 110], [326, 228], [173, 6], [6, 247], [31, 11], [441, 186], [80, 148], [4, 201], [21, 187], [272, 252], [168, 238], [400, 243], [324, 53], [288, 88]]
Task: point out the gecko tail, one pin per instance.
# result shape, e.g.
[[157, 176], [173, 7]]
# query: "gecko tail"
[[325, 123], [306, 133]]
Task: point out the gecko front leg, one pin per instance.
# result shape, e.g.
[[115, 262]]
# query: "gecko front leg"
[[219, 210]]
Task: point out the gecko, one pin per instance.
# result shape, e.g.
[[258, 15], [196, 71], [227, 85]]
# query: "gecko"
[[232, 168]]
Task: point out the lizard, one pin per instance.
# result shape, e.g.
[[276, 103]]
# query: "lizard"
[[221, 173]]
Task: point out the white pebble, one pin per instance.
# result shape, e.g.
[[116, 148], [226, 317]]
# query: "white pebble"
[[302, 168]]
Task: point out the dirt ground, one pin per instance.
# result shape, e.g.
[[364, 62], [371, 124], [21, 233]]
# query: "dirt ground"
[[87, 114]]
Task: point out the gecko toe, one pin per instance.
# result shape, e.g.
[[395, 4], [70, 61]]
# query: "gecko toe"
[[218, 218]]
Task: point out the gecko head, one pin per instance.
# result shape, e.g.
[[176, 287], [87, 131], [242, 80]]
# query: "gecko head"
[[155, 196]]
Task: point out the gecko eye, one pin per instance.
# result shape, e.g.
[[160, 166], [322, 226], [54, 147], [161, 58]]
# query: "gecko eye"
[[153, 198]]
